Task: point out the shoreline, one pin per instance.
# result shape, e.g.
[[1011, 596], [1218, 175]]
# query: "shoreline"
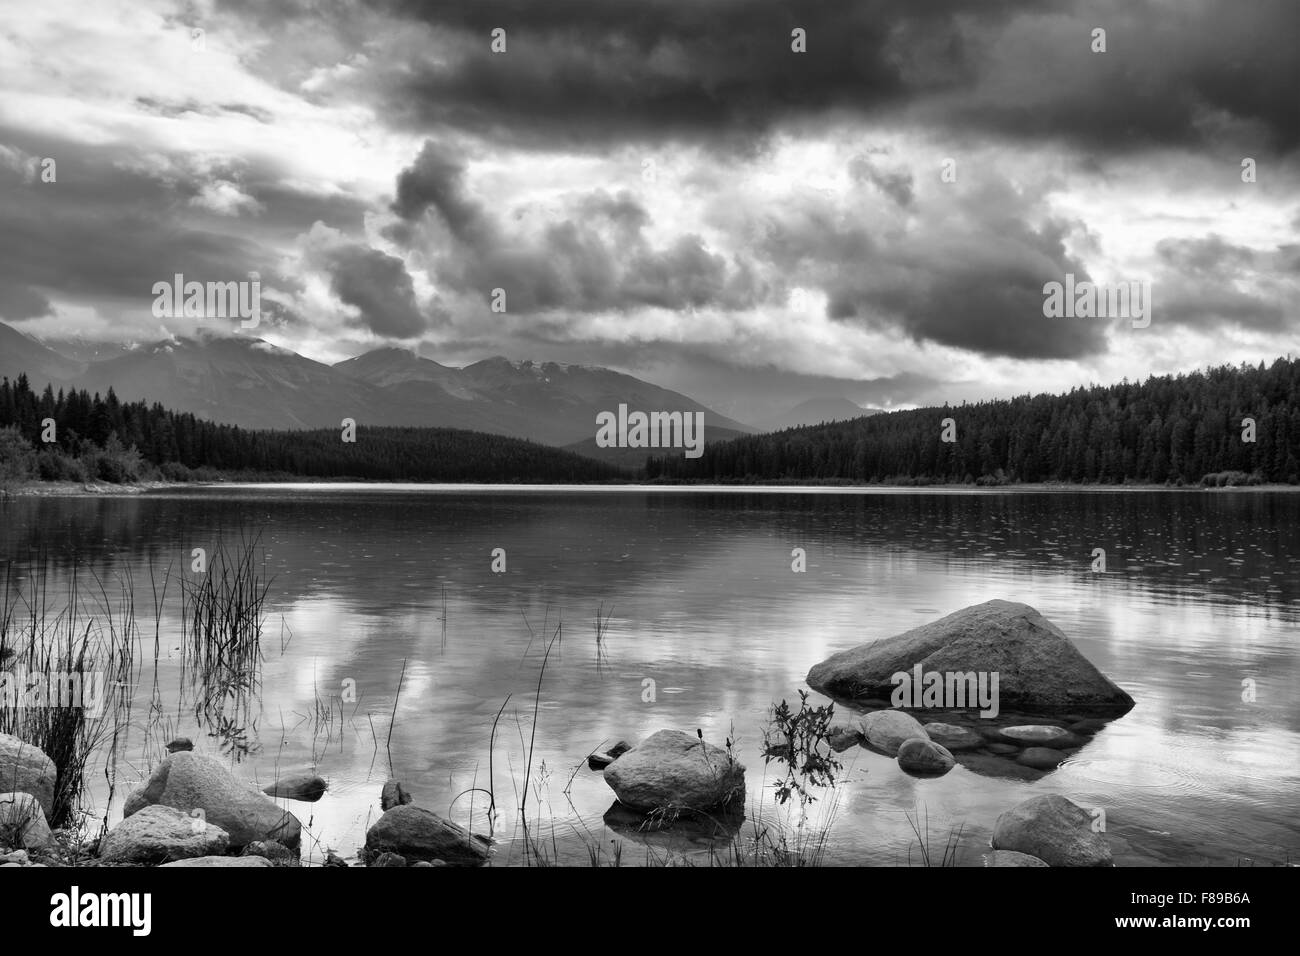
[[73, 489]]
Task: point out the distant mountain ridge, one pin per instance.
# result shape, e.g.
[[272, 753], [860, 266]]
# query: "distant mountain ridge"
[[253, 384], [816, 411]]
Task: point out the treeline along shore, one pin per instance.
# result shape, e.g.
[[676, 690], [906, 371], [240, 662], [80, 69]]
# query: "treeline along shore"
[[1227, 426]]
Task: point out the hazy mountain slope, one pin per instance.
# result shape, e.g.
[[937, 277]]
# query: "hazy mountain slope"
[[21, 353], [814, 412]]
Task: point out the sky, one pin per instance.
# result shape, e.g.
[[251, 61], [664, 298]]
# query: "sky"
[[668, 187]]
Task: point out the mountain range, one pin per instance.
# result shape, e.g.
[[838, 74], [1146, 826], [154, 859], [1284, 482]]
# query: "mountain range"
[[253, 384]]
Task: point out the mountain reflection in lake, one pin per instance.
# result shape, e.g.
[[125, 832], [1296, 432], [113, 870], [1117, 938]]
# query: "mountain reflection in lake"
[[1201, 593]]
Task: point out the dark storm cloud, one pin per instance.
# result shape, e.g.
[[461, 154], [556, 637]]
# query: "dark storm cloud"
[[379, 286], [582, 73], [1207, 279], [114, 223], [597, 259]]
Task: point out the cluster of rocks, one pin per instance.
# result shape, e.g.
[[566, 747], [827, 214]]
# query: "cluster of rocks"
[[1049, 699], [27, 779]]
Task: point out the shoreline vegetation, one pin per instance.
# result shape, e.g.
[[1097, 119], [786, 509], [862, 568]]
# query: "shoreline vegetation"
[[678, 799], [1231, 427]]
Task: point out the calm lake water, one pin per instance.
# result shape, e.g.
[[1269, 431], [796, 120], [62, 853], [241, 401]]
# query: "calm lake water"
[[1202, 591]]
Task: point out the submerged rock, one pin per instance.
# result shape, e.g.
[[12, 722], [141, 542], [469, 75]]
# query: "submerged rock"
[[672, 770], [222, 861], [22, 822], [885, 730], [25, 768], [187, 781], [1041, 735], [418, 834], [599, 761], [158, 834], [923, 756], [179, 744], [1012, 858], [1041, 758], [300, 786], [1056, 830], [953, 737], [1039, 669], [843, 737]]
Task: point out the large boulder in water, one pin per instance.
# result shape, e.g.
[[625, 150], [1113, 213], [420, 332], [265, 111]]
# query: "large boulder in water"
[[672, 770], [418, 834], [1039, 670], [25, 768], [188, 781], [1056, 830]]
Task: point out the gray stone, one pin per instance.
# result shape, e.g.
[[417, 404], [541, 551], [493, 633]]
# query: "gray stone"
[[388, 859], [393, 795], [599, 761], [1041, 735], [885, 730], [843, 737], [924, 756], [222, 861], [1088, 726], [1041, 758], [1002, 749], [26, 769], [1039, 669], [299, 786], [189, 781], [954, 737], [1054, 829], [277, 853], [158, 833], [988, 765], [418, 834], [179, 744], [1012, 858], [22, 822], [675, 770]]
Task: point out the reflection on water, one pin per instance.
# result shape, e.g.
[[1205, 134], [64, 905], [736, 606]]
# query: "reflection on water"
[[1202, 592]]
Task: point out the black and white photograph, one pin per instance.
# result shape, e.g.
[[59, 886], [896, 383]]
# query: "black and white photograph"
[[650, 434]]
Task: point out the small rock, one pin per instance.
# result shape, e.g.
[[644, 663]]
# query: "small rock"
[[389, 859], [333, 859], [1042, 735], [1054, 829], [222, 861], [393, 795], [675, 770], [1041, 758], [843, 737], [26, 769], [923, 756], [179, 744], [277, 853], [998, 747], [421, 863], [988, 765], [885, 730], [302, 786], [157, 834], [418, 834], [599, 761], [22, 820], [1012, 858], [17, 856], [619, 749], [954, 737]]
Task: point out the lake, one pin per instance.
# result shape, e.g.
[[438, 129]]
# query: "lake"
[[1201, 593]]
